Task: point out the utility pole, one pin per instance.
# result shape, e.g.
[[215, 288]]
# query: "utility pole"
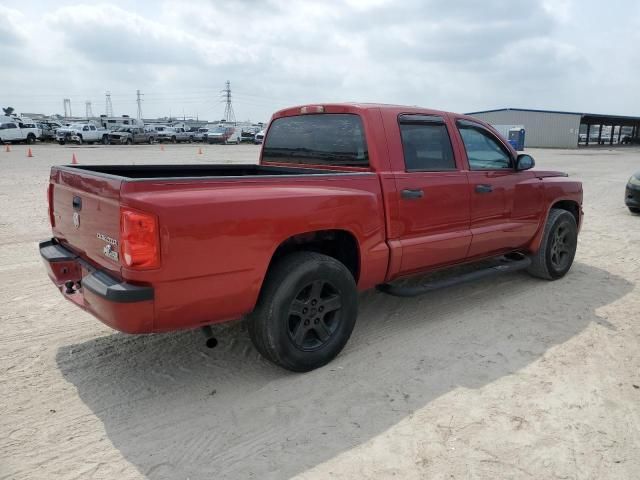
[[108, 106], [229, 116], [139, 102], [88, 112], [67, 107]]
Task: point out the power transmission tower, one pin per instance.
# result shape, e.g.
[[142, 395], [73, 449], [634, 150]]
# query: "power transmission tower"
[[139, 102], [67, 107], [88, 112], [108, 106], [229, 116]]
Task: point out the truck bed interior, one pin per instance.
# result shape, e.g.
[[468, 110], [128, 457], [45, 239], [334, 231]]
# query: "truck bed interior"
[[190, 171]]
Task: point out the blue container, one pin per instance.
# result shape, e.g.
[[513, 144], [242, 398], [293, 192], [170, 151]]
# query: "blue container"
[[516, 138]]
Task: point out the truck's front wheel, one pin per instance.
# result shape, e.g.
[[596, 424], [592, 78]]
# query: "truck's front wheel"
[[306, 311], [557, 248]]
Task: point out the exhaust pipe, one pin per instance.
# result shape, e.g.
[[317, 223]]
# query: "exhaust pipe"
[[211, 341]]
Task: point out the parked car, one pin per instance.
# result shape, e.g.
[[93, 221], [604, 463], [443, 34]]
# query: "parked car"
[[632, 193], [345, 198], [82, 132], [223, 134], [259, 137], [10, 132], [131, 135], [175, 135], [248, 134], [200, 134]]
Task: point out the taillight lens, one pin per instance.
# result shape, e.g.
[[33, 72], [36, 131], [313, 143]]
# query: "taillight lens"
[[52, 220], [139, 239]]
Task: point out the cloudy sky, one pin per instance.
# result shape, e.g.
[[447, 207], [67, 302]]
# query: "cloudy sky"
[[454, 55]]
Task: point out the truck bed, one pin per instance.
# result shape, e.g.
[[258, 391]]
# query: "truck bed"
[[167, 172]]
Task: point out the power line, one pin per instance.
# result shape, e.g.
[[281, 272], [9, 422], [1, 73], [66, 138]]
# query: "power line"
[[139, 102], [67, 107], [108, 106], [229, 116]]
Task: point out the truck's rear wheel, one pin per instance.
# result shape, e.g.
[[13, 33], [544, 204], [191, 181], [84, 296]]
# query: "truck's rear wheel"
[[79, 140], [31, 138], [306, 311], [105, 140], [558, 247]]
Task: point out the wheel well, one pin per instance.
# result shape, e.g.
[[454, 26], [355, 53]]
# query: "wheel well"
[[570, 206], [339, 244]]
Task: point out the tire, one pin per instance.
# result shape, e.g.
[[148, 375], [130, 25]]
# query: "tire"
[[558, 247], [105, 140], [79, 141], [173, 140], [31, 139], [61, 142], [306, 311], [150, 140], [634, 210], [129, 141], [190, 139]]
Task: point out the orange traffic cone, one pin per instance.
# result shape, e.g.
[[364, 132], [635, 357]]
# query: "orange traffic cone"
[[7, 148], [162, 147], [29, 153], [74, 161], [200, 151]]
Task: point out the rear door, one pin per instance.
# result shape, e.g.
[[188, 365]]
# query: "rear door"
[[433, 196], [86, 213], [505, 203]]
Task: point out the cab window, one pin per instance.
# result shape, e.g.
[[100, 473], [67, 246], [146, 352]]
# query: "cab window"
[[484, 152], [426, 144]]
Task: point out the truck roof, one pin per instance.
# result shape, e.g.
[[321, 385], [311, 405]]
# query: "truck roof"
[[354, 107]]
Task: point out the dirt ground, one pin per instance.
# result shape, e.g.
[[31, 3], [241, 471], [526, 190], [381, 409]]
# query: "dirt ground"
[[510, 377]]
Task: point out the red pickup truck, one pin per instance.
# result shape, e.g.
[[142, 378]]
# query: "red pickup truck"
[[345, 197]]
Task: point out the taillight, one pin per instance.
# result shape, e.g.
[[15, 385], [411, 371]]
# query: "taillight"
[[139, 239], [52, 219]]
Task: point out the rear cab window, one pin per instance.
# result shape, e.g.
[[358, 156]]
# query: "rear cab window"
[[426, 144], [333, 139]]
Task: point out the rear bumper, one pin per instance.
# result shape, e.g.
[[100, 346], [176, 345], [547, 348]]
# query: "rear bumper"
[[121, 305]]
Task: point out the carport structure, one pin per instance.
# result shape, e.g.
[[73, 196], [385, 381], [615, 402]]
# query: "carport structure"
[[559, 129], [608, 129]]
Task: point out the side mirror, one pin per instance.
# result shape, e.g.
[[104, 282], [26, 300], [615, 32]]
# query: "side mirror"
[[524, 162]]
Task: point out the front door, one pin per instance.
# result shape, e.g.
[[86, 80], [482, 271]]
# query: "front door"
[[433, 197], [505, 203]]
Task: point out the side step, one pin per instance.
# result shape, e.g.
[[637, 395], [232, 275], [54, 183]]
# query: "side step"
[[506, 265]]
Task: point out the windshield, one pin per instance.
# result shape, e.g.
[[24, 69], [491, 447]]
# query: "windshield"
[[77, 125], [122, 129], [326, 139], [218, 130]]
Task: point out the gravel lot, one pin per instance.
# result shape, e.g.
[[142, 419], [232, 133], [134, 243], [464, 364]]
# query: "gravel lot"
[[506, 378]]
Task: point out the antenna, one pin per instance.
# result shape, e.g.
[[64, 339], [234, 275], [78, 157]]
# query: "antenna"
[[229, 116], [88, 112], [108, 106], [67, 107], [139, 102]]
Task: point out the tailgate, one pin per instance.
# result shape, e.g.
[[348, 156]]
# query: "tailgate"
[[86, 212]]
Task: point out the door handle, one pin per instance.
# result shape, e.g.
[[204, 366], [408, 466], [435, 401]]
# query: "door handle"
[[483, 188], [412, 194]]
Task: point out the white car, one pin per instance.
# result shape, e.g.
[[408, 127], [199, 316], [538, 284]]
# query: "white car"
[[82, 132], [10, 132], [223, 134], [259, 138]]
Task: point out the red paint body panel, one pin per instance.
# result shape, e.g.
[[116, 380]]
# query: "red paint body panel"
[[218, 235]]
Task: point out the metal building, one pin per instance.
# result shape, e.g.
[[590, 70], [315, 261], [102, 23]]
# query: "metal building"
[[552, 129]]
